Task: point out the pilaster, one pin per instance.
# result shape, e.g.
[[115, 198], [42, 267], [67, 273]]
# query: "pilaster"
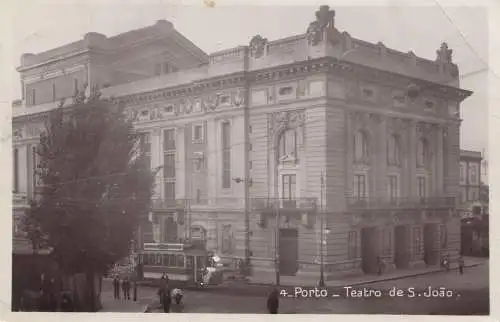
[[211, 159], [181, 159], [381, 158], [156, 161], [439, 162], [412, 159]]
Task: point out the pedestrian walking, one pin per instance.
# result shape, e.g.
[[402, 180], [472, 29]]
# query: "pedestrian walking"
[[273, 301], [116, 287], [124, 288], [166, 299], [461, 265]]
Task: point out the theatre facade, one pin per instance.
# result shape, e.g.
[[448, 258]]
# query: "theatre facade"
[[278, 151]]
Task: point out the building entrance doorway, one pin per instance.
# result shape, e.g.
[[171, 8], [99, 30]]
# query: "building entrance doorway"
[[288, 251], [431, 254], [369, 249], [401, 249]]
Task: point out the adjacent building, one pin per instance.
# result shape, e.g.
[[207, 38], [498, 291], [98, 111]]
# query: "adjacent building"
[[470, 175], [277, 151]]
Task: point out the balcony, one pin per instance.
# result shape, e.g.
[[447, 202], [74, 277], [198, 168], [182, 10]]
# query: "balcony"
[[272, 204], [162, 204], [356, 203]]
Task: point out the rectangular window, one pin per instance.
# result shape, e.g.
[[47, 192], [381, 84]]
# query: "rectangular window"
[[360, 186], [169, 155], [54, 91], [169, 140], [169, 166], [33, 96], [393, 187], [473, 174], [198, 133], [145, 144], [15, 156], [417, 245], [169, 190], [421, 187], [288, 186], [352, 244], [462, 173], [226, 155]]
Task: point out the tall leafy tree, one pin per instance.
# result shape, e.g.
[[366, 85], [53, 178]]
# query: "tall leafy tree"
[[95, 187]]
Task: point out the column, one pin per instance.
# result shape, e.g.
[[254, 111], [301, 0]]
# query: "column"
[[412, 159], [156, 160], [438, 173], [349, 158], [382, 158], [211, 159], [181, 184]]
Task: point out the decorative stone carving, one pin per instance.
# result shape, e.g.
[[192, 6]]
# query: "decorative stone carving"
[[257, 46], [284, 119], [324, 19], [425, 129], [186, 106], [239, 98], [396, 125], [212, 102], [444, 54], [365, 120], [17, 134]]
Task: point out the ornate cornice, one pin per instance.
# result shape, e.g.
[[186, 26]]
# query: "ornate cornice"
[[187, 90]]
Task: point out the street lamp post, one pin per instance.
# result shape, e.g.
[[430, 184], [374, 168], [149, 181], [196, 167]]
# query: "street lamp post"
[[277, 244], [247, 183], [322, 263]]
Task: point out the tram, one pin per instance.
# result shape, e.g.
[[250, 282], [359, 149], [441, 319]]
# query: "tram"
[[184, 264]]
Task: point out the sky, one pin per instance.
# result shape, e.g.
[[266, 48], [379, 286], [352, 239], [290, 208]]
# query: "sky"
[[421, 29]]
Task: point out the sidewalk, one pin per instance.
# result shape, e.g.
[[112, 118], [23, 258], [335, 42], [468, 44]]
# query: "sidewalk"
[[362, 279], [109, 304]]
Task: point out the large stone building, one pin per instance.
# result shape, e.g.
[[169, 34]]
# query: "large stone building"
[[320, 134]]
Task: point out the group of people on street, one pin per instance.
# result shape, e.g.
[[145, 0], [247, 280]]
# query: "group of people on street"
[[125, 287]]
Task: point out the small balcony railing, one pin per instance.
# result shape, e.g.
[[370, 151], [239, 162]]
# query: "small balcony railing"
[[167, 204], [399, 203], [270, 204]]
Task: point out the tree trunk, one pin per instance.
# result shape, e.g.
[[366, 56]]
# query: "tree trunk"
[[91, 304]]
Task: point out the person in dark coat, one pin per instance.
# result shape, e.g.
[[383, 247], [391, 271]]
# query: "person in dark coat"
[[166, 299], [116, 287], [461, 265], [273, 301], [126, 288]]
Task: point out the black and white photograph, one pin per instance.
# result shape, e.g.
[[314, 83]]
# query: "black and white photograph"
[[248, 158]]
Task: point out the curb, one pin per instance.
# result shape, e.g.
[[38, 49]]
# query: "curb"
[[380, 279]]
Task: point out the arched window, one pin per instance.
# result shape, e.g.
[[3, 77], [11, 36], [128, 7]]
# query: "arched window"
[[287, 145], [360, 147], [393, 151], [422, 153]]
